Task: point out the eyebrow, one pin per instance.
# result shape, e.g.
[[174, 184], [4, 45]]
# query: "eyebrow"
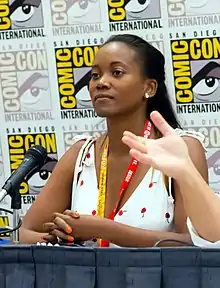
[[213, 159], [29, 81], [48, 166], [69, 3], [112, 64], [17, 3], [83, 82], [203, 72]]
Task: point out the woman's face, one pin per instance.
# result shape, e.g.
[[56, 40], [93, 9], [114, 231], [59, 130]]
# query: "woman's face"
[[117, 86]]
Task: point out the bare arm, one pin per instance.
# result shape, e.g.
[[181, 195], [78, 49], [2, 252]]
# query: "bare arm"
[[128, 236], [55, 197], [201, 203]]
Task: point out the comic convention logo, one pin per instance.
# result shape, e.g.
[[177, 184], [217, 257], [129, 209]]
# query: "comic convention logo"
[[75, 17], [128, 15], [95, 128], [18, 144], [24, 83], [196, 70], [184, 13], [212, 144], [2, 178], [21, 19], [73, 75], [4, 224], [156, 40]]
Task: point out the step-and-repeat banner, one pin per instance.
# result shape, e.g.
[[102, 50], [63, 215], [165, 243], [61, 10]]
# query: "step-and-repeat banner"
[[47, 48]]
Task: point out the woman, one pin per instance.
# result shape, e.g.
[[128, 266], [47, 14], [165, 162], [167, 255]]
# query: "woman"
[[175, 161], [127, 84]]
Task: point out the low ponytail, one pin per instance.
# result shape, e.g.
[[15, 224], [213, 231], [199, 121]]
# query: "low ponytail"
[[161, 103]]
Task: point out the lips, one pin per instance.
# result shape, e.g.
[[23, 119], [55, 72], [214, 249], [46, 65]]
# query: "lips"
[[103, 96]]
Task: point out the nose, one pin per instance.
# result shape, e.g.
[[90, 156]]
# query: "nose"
[[103, 83]]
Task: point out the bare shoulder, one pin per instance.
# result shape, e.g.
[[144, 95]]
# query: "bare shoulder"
[[57, 191], [69, 158], [197, 154]]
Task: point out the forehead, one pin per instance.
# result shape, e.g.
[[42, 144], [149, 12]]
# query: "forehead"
[[116, 52]]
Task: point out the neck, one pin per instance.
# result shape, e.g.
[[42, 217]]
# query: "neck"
[[116, 127]]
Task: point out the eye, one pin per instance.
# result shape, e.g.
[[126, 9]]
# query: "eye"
[[23, 13], [216, 169], [83, 4], [206, 86], [117, 73], [94, 75], [44, 175], [39, 179], [35, 91]]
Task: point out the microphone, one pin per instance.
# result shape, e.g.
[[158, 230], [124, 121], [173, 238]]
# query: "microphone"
[[32, 162]]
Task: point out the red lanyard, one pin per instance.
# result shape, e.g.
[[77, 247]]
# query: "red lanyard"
[[127, 178]]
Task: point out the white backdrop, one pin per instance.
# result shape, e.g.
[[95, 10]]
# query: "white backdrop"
[[46, 50]]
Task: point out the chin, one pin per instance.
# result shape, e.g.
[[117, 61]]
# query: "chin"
[[103, 113], [103, 110]]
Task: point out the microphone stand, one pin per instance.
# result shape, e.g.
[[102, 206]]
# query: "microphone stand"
[[15, 206]]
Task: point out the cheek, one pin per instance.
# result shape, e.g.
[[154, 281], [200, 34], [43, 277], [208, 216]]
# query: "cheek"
[[131, 90], [91, 89]]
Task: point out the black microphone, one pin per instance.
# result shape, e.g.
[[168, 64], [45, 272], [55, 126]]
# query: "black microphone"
[[33, 161]]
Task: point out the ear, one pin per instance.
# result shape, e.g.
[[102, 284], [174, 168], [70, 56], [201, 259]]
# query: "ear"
[[151, 87]]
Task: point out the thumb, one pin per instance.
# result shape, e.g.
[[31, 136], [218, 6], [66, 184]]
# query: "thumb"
[[161, 124]]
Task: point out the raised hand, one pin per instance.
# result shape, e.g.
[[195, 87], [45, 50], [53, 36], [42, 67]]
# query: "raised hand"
[[168, 154]]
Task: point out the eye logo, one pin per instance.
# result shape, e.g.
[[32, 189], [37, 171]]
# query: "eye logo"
[[80, 8], [137, 6], [126, 15], [73, 75], [25, 85], [196, 70], [39, 179], [76, 16], [214, 171], [187, 12], [34, 93], [196, 3], [21, 14], [82, 91], [206, 83]]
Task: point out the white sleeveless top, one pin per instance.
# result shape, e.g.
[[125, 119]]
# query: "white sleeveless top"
[[149, 207]]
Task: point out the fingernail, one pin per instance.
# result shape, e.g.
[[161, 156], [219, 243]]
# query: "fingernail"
[[76, 214], [69, 230], [70, 238], [42, 239]]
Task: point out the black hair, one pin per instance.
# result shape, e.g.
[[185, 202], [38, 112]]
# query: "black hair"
[[152, 66]]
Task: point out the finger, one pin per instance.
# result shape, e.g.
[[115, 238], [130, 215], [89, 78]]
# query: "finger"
[[135, 144], [143, 158], [62, 225], [161, 124], [72, 214], [130, 134], [62, 216], [49, 226], [62, 235], [50, 238]]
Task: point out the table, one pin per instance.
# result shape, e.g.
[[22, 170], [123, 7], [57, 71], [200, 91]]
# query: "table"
[[27, 266]]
